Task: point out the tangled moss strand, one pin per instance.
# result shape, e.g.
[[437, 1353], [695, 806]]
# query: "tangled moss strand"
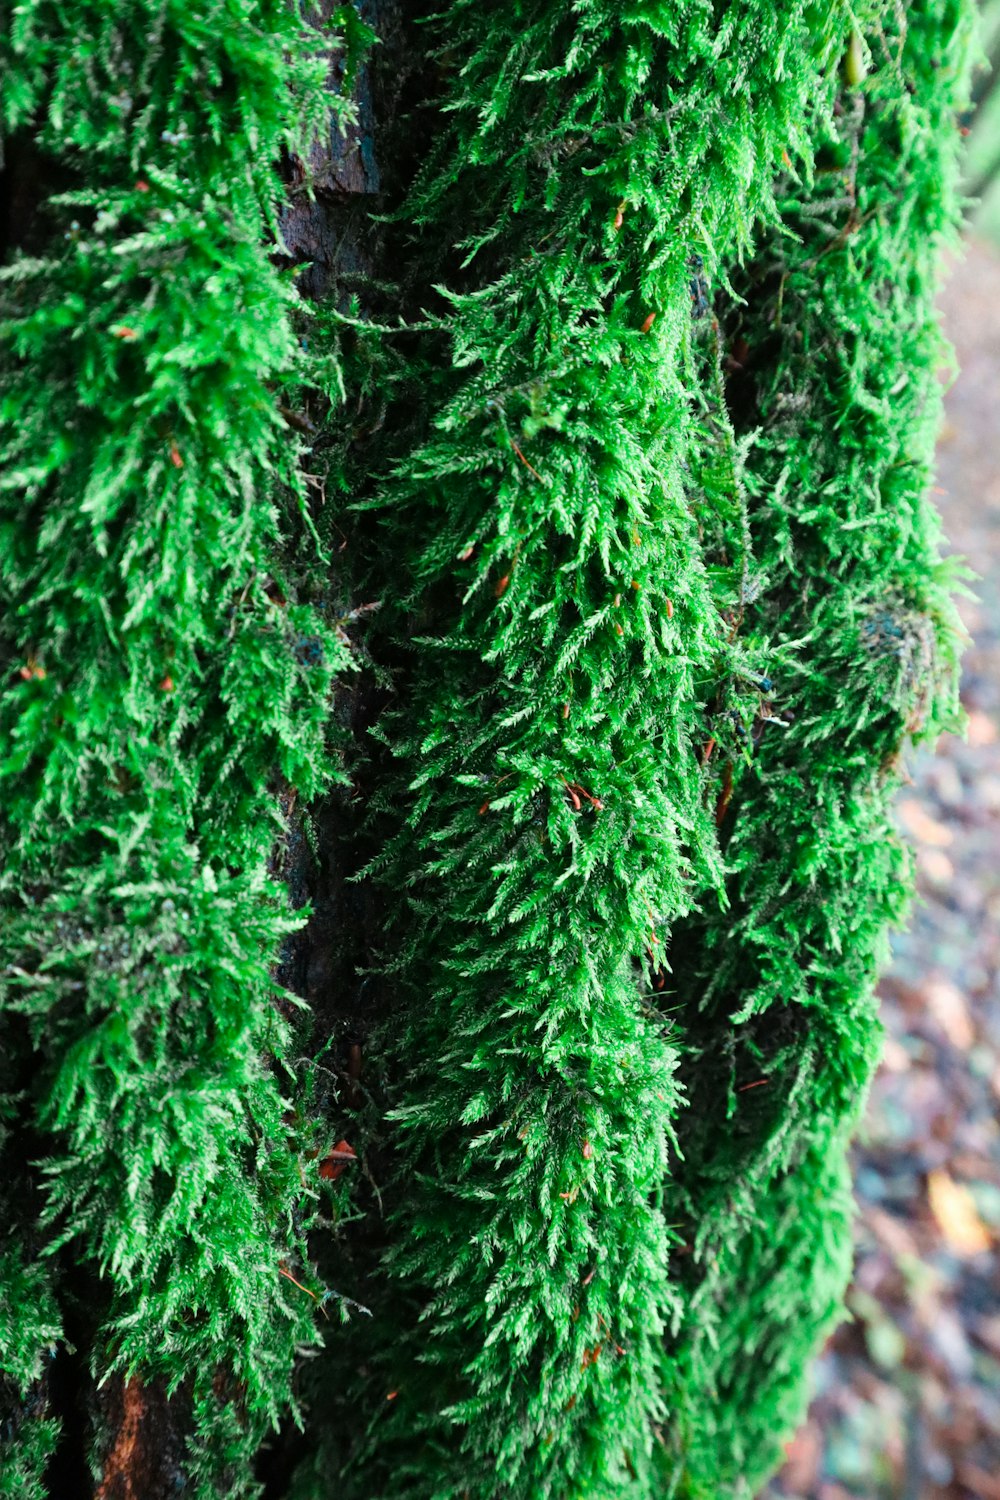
[[627, 373], [155, 696], [598, 604], [840, 346]]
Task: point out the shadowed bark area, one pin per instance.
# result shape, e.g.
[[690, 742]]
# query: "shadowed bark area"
[[27, 178], [145, 1431], [327, 230], [321, 230]]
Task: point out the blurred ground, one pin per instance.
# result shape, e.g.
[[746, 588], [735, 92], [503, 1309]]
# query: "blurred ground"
[[908, 1393]]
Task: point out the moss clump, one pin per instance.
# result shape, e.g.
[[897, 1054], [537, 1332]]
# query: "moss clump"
[[639, 440], [166, 675]]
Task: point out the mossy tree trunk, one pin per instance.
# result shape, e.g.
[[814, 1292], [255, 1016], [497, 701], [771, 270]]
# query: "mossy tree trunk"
[[468, 587]]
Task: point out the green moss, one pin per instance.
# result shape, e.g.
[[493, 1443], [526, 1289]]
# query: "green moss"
[[840, 348], [167, 674], [643, 497], [610, 565], [29, 1327]]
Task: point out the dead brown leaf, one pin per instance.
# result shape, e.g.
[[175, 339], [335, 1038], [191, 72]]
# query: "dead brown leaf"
[[802, 1459], [955, 1211], [917, 821], [950, 1010], [981, 1483], [935, 866], [981, 729], [892, 1234]]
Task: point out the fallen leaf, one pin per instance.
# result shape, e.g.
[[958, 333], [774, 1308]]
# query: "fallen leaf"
[[340, 1157], [955, 1211], [986, 1331], [891, 1233], [885, 1340], [947, 1338], [895, 1058], [986, 1196], [803, 1455], [935, 866], [981, 729], [948, 1006], [979, 1481], [917, 821]]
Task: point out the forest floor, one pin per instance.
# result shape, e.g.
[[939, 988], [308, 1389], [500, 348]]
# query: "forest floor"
[[907, 1403]]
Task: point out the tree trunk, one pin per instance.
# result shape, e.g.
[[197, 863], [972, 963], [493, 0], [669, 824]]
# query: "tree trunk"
[[452, 707]]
